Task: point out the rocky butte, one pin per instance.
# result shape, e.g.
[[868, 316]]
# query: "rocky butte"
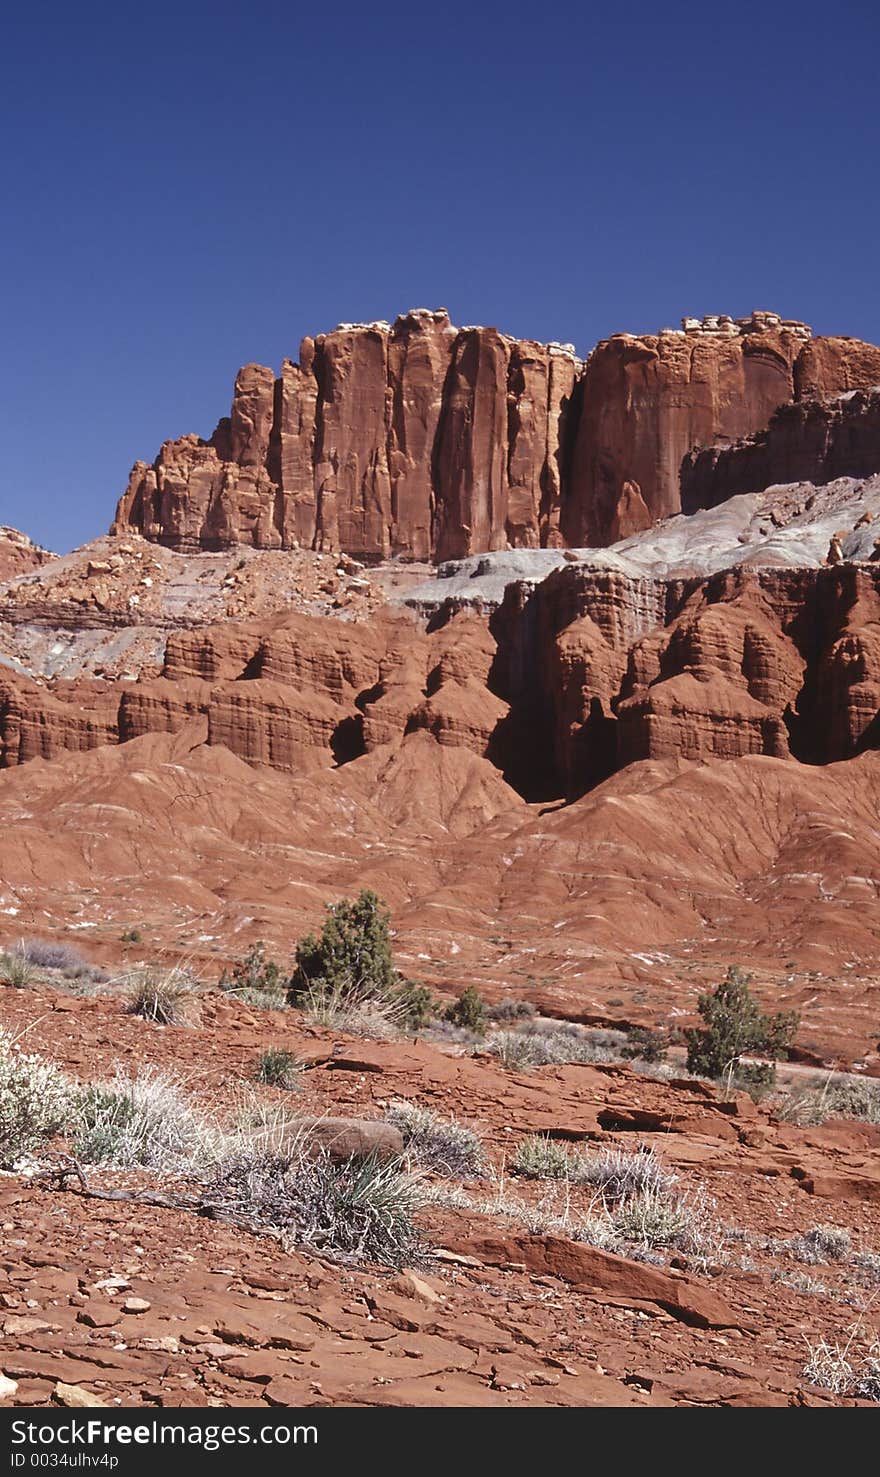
[[585, 780], [418, 440]]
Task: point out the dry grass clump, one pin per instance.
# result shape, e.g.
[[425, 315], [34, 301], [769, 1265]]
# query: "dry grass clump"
[[277, 1067], [553, 1043], [161, 996], [360, 1210], [145, 1120], [16, 969], [614, 1173], [845, 1369], [36, 1101], [836, 1097], [821, 1245], [441, 1145]]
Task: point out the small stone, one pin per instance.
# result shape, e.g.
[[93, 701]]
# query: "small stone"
[[411, 1286], [7, 1387], [20, 1327], [136, 1305], [95, 1317], [75, 1397]]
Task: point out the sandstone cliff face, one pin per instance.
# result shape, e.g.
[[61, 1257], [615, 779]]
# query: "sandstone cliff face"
[[560, 687], [423, 441], [417, 440], [647, 401], [19, 554], [812, 441], [751, 661]]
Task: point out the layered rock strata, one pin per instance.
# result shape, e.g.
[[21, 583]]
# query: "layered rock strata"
[[812, 441], [422, 441]]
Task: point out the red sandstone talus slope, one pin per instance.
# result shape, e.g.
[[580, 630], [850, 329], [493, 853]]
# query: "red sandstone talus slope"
[[424, 441]]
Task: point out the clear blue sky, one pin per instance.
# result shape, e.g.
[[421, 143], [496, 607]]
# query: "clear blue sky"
[[192, 186]]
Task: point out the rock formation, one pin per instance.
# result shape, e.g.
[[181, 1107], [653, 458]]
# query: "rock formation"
[[422, 441], [19, 554], [815, 440], [418, 440]]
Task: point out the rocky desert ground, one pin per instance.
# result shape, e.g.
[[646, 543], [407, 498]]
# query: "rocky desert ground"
[[574, 667]]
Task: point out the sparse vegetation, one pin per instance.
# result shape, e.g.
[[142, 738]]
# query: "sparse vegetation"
[[277, 1067], [160, 996], [36, 1100], [845, 1369], [734, 1026], [613, 1173], [510, 1010], [15, 967], [837, 1097], [539, 1157], [441, 1145], [144, 1120], [131, 936], [821, 1245], [657, 1217], [361, 1209], [468, 1011], [256, 980], [52, 954]]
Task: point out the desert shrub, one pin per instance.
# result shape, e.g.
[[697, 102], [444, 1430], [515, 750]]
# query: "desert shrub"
[[644, 1045], [553, 1043], [618, 1175], [613, 1173], [51, 954], [539, 1157], [441, 1145], [734, 1025], [353, 953], [510, 1010], [346, 978], [36, 1101], [131, 936], [360, 1209], [15, 967], [144, 1120], [844, 1369], [658, 1217], [160, 996], [256, 980], [820, 1245], [279, 1068], [468, 1011], [415, 1004]]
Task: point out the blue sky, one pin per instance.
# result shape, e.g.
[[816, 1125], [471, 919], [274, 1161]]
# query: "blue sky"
[[191, 187]]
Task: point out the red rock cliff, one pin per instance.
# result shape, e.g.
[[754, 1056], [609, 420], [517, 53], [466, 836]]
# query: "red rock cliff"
[[425, 441], [417, 439], [813, 441]]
